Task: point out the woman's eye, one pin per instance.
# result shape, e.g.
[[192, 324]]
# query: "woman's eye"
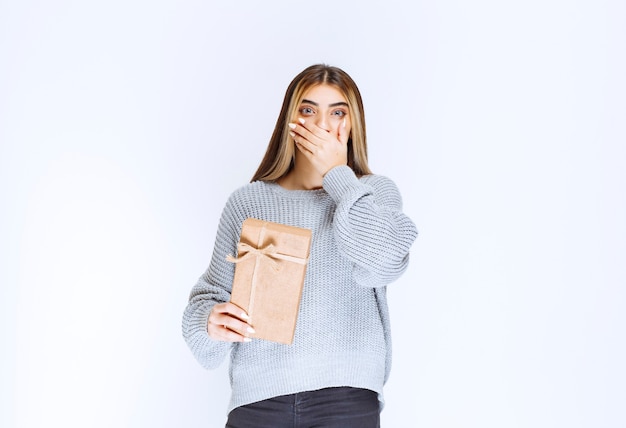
[[339, 113], [307, 111]]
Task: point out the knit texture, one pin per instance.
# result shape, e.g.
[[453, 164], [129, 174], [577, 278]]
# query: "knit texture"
[[361, 242]]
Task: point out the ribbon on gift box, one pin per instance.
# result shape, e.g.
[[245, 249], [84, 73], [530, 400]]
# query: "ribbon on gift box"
[[268, 253]]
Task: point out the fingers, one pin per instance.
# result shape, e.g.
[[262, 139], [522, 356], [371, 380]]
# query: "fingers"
[[311, 137], [303, 137], [227, 322]]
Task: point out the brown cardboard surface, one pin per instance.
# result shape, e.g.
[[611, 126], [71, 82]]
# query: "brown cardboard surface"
[[269, 275]]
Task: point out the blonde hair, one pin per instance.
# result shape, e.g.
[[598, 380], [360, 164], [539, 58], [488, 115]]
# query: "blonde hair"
[[279, 156]]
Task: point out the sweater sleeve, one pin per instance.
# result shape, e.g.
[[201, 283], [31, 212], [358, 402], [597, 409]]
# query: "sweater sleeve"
[[213, 287], [370, 228]]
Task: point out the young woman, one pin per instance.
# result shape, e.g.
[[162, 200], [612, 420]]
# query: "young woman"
[[314, 175]]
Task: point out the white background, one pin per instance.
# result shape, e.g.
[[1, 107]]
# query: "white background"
[[124, 125]]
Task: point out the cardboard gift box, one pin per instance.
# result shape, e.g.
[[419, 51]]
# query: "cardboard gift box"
[[269, 276]]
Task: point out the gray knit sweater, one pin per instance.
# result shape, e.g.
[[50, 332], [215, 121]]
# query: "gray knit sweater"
[[361, 243]]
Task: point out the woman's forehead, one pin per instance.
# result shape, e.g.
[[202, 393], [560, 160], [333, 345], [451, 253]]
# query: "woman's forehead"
[[324, 93]]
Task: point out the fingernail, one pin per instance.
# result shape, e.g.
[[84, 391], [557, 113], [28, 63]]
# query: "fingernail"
[[293, 134], [301, 121], [244, 316], [247, 339], [251, 330], [344, 123], [292, 125]]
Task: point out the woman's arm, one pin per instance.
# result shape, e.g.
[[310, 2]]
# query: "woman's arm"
[[212, 289], [370, 228]]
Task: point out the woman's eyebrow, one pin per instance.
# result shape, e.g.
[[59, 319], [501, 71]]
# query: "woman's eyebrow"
[[340, 103]]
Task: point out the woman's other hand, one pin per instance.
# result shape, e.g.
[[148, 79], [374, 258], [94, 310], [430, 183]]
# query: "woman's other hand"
[[227, 322]]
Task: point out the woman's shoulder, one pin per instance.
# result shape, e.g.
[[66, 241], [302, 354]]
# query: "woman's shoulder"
[[248, 192], [250, 188], [244, 202]]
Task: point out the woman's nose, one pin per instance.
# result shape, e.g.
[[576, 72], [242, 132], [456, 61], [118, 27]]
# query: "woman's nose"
[[322, 122]]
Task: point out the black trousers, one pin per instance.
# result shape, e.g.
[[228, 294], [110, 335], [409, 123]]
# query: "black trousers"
[[326, 408]]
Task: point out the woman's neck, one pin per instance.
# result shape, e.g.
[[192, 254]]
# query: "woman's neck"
[[302, 177]]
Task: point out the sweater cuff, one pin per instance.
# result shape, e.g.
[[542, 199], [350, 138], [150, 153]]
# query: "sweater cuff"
[[341, 181]]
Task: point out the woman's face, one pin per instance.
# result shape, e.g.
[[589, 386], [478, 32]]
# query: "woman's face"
[[325, 106]]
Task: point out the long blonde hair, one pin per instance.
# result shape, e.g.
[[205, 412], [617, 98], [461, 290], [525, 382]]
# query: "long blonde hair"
[[279, 156]]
